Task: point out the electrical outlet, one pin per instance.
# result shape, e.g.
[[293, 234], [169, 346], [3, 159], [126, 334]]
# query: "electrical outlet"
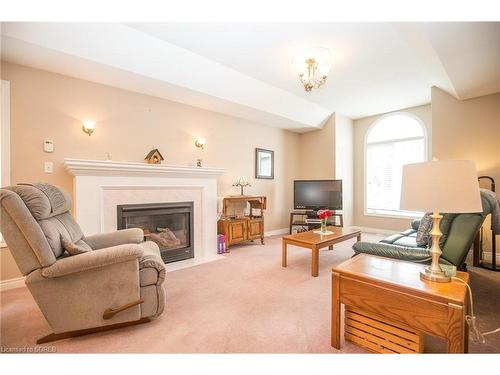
[[48, 167], [48, 145]]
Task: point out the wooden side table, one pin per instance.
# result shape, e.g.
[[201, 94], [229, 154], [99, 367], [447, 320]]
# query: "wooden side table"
[[392, 289]]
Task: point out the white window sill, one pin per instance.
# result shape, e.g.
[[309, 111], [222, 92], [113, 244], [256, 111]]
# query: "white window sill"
[[2, 244], [393, 215]]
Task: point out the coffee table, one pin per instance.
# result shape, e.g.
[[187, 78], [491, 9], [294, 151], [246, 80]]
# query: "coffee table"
[[316, 241]]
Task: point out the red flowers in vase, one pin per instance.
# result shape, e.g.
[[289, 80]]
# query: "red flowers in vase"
[[324, 214]]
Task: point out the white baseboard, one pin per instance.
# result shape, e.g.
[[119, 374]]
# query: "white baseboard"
[[12, 283], [276, 232], [375, 230]]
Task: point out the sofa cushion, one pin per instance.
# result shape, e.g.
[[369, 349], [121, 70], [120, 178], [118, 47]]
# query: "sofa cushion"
[[406, 241], [424, 229], [409, 232], [392, 238], [43, 200], [60, 226], [75, 248]]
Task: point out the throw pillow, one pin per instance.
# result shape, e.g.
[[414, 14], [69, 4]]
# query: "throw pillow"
[[424, 228], [75, 248]]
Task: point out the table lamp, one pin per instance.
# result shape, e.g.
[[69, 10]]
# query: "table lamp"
[[441, 186]]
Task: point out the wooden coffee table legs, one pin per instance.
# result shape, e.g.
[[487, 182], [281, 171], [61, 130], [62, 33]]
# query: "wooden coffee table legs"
[[283, 253], [315, 261], [315, 257]]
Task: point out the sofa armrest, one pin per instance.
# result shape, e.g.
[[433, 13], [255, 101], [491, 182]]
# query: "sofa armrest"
[[93, 260], [413, 254], [119, 237]]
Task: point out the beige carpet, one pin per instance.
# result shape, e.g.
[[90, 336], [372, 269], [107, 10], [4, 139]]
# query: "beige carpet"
[[246, 303]]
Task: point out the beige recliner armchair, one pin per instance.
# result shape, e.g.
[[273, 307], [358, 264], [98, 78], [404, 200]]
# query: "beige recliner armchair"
[[118, 282]]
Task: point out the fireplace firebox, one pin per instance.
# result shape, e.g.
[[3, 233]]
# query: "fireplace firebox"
[[169, 225]]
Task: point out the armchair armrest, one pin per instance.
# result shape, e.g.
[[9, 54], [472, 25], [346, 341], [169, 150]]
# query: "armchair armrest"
[[119, 237], [93, 260], [413, 254]]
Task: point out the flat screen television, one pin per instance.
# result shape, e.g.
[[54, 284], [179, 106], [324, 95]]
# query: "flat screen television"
[[317, 194]]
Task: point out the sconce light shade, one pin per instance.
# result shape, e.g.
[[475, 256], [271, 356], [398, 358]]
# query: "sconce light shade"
[[200, 143], [88, 127]]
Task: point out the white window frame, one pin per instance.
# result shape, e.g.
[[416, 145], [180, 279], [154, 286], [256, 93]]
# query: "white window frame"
[[393, 214], [5, 137]]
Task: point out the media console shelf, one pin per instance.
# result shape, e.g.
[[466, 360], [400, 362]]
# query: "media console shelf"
[[245, 228], [298, 219]]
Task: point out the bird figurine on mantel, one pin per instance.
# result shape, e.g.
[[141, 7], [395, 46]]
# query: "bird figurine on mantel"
[[154, 157]]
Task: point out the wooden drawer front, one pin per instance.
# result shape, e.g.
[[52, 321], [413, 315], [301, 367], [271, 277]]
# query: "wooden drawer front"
[[237, 231], [421, 314], [255, 228], [379, 335]]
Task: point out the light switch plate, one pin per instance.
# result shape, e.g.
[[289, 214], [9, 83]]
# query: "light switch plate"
[[48, 145], [48, 167]]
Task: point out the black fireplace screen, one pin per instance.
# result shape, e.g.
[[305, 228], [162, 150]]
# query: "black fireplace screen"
[[169, 225]]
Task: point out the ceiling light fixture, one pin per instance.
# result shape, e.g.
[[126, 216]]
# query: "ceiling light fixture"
[[312, 65]]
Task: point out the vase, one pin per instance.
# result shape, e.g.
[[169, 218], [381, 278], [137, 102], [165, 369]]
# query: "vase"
[[323, 226]]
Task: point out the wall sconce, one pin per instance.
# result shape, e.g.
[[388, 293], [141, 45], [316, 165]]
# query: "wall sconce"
[[200, 143], [88, 127]]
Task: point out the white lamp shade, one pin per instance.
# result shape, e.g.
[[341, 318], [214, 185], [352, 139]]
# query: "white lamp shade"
[[446, 186]]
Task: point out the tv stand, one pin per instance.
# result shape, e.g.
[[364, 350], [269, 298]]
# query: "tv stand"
[[298, 219]]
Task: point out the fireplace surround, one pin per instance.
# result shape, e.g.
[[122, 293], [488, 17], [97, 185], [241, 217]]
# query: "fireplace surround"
[[169, 225], [102, 185]]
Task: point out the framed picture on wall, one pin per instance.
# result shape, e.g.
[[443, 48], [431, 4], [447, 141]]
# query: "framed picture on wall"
[[264, 164]]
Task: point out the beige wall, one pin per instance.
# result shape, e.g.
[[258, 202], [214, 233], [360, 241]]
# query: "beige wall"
[[47, 105], [317, 152], [361, 126], [344, 165], [327, 153], [470, 130]]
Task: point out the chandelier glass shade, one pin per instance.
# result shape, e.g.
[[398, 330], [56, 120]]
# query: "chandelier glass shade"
[[312, 66]]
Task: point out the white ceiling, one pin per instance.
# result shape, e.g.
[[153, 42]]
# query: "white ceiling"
[[245, 69]]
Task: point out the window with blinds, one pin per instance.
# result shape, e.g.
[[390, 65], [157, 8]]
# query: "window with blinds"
[[391, 142]]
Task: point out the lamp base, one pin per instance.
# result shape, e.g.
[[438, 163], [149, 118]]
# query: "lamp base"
[[437, 276]]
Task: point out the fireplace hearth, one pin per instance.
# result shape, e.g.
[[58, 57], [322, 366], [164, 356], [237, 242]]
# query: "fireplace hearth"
[[169, 225]]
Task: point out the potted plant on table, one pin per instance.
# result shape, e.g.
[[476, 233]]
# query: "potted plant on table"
[[323, 215]]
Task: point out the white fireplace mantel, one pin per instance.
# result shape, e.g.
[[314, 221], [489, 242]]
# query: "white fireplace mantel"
[[101, 185], [82, 167]]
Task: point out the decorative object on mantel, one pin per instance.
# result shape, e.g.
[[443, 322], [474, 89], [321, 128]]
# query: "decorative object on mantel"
[[264, 164], [242, 183], [312, 66], [88, 127], [154, 157], [200, 143]]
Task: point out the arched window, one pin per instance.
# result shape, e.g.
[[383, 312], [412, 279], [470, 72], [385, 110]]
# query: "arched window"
[[391, 142]]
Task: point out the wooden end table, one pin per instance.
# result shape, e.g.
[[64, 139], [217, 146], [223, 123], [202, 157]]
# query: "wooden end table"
[[392, 289], [315, 242]]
